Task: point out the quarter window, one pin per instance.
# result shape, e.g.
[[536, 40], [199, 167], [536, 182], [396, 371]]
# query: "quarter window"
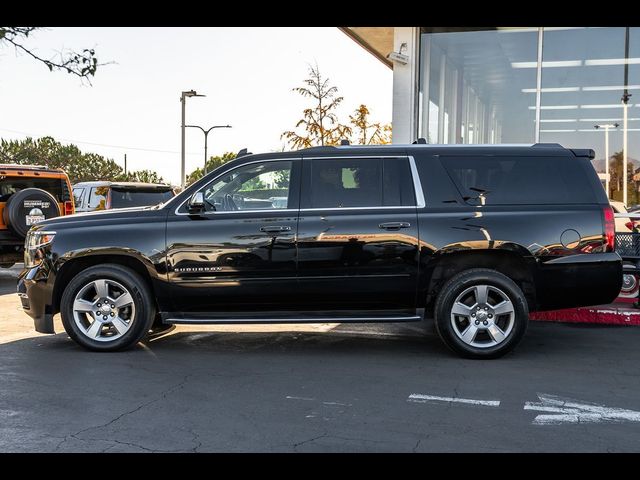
[[257, 186]]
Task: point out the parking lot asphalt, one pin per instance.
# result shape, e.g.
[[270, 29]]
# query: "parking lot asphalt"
[[322, 388]]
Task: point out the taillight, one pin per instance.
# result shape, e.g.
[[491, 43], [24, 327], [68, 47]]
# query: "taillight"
[[68, 208], [609, 229], [630, 225]]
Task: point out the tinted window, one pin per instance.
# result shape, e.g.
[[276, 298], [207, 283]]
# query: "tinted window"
[[98, 198], [256, 186], [11, 185], [121, 198], [397, 183], [77, 196], [346, 183], [520, 180]]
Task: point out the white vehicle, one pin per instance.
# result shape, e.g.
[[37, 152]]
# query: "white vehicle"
[[622, 224]]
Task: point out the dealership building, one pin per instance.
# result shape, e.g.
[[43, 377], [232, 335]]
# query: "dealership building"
[[572, 86]]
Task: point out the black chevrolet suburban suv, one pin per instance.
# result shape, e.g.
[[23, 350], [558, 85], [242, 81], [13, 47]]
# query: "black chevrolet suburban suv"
[[473, 236]]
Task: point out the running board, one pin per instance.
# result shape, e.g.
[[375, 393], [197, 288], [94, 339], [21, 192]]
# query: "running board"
[[262, 320]]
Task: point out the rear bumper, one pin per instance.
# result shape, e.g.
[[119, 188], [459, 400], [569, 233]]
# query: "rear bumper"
[[35, 294], [578, 281]]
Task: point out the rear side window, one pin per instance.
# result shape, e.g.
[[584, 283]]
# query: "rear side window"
[[138, 198], [98, 198], [11, 185], [361, 182], [521, 180]]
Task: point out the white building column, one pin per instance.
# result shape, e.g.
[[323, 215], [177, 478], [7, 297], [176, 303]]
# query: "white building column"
[[405, 85]]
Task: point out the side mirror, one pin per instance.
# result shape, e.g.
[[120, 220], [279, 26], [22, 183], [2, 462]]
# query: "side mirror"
[[196, 203]]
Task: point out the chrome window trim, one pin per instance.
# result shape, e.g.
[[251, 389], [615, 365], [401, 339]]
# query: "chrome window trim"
[[340, 209], [241, 211], [417, 187]]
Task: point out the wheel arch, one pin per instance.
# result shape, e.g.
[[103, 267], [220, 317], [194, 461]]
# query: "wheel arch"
[[446, 264], [71, 267]]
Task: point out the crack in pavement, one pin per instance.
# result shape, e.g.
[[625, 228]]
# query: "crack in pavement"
[[296, 445], [163, 395]]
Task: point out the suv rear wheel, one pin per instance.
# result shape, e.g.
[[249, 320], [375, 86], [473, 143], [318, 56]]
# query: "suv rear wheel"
[[481, 313], [107, 308]]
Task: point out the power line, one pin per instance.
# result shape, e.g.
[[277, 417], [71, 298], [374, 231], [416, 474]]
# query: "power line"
[[102, 144]]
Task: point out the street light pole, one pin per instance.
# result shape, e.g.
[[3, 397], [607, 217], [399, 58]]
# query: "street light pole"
[[625, 100], [606, 152], [183, 99], [206, 136]]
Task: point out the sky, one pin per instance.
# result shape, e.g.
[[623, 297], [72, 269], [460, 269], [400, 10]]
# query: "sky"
[[133, 104]]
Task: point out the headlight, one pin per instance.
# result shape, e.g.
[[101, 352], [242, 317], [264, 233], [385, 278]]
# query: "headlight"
[[33, 247]]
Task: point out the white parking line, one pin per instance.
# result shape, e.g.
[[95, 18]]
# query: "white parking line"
[[419, 398]]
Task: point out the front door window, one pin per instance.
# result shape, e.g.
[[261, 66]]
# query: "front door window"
[[257, 186]]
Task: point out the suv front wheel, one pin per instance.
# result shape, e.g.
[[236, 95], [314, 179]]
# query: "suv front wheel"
[[481, 313], [107, 307]]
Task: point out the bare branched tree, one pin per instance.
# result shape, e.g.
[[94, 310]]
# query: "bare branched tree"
[[81, 64], [319, 123]]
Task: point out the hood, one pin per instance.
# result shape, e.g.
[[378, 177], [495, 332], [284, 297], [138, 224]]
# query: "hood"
[[130, 215]]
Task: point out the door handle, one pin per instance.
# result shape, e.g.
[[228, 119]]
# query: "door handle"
[[394, 225], [275, 228]]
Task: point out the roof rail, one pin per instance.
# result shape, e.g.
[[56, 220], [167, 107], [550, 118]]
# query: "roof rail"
[[26, 166], [547, 145], [326, 148]]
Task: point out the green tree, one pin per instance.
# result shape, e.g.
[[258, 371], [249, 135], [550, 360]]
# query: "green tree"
[[281, 178], [83, 64], [212, 164], [79, 166], [616, 180], [146, 176], [366, 132], [319, 124]]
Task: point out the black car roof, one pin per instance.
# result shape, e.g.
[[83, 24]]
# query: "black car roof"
[[539, 149]]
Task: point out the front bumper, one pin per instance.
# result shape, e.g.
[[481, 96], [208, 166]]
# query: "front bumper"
[[36, 293], [578, 280]]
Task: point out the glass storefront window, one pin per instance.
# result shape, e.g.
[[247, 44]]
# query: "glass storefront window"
[[581, 97], [471, 86]]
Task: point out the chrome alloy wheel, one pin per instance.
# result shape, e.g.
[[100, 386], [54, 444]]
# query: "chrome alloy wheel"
[[103, 310], [482, 316]]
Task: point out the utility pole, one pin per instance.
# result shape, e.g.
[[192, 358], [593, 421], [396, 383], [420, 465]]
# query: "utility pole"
[[125, 163]]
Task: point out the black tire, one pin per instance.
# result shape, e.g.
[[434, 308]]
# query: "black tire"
[[141, 321], [460, 283], [28, 205]]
